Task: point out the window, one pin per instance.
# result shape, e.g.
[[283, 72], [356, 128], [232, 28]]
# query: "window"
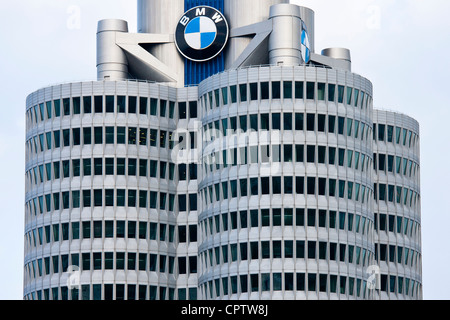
[[287, 90], [331, 92], [87, 136], [321, 91], [299, 121], [121, 104], [98, 135], [276, 121], [132, 136], [264, 90], [310, 122], [66, 138], [182, 112], [253, 91], [98, 104], [276, 90], [310, 90], [109, 108], [243, 92], [299, 90], [109, 135]]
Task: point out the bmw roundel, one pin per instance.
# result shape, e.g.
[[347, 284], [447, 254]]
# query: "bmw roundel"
[[305, 44], [201, 34]]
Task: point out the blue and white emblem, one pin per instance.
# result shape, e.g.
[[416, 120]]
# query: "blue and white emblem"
[[305, 46], [201, 34]]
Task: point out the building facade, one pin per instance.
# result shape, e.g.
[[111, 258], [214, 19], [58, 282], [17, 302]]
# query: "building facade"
[[217, 156]]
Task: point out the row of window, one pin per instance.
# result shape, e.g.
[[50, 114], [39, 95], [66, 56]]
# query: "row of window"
[[274, 90], [310, 282], [397, 135], [114, 292], [129, 261], [130, 167], [286, 249], [110, 104], [99, 136], [110, 230], [288, 122], [286, 217], [111, 198], [396, 194], [397, 254], [286, 153], [395, 164], [396, 224], [285, 185]]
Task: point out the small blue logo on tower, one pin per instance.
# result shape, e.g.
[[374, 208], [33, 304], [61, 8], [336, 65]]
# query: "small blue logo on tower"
[[202, 33], [305, 46]]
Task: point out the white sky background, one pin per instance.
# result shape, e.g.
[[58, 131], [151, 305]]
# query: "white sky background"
[[402, 46]]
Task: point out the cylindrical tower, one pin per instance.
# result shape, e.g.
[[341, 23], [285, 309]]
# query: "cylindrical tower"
[[104, 219], [112, 62], [244, 13], [397, 205], [285, 39], [286, 187]]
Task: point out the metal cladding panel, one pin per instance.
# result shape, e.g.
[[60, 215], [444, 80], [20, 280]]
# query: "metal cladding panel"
[[110, 87], [143, 89], [121, 88], [196, 72], [65, 90], [331, 76], [48, 93], [86, 88], [321, 75], [253, 74], [97, 87], [76, 89], [288, 73], [242, 76], [56, 92]]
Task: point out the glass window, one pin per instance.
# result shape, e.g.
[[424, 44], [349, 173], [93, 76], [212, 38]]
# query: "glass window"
[[321, 91], [98, 104], [276, 90], [331, 92], [299, 90], [98, 135], [253, 91], [109, 135], [264, 90], [243, 92], [57, 105], [287, 90], [87, 136], [193, 109], [66, 138], [276, 121], [109, 107], [310, 90], [381, 132], [310, 122], [331, 124]]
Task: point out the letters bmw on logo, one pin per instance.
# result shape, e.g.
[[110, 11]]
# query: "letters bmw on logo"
[[201, 34]]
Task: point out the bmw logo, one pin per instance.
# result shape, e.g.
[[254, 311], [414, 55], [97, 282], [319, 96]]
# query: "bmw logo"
[[305, 46], [201, 34]]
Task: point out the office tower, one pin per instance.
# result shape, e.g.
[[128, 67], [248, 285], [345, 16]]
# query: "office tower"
[[218, 156]]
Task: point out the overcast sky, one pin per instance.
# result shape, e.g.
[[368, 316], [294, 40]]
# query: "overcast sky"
[[402, 46]]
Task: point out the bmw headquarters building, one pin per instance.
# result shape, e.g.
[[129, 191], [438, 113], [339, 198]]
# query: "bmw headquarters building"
[[218, 156]]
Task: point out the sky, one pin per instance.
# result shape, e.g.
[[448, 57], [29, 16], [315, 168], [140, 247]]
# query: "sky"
[[400, 45]]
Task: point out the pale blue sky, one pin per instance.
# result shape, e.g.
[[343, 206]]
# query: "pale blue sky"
[[402, 46]]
